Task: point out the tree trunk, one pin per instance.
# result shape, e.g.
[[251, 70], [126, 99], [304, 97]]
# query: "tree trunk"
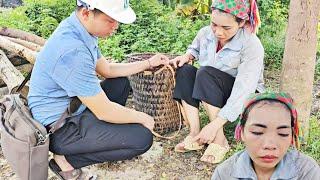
[[15, 33], [8, 73], [20, 50], [27, 44], [299, 59]]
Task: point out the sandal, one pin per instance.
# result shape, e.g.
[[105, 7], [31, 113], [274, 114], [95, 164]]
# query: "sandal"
[[76, 174], [188, 145], [217, 151]]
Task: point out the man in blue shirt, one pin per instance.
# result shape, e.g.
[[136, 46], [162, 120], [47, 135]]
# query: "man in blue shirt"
[[102, 129]]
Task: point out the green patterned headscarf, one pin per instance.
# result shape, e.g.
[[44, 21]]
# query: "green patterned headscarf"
[[281, 97], [243, 9]]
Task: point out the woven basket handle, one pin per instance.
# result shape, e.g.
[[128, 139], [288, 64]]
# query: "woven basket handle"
[[175, 134], [174, 83]]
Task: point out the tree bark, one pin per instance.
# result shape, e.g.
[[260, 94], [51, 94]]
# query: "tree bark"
[[27, 44], [299, 59], [20, 50], [8, 73], [15, 33]]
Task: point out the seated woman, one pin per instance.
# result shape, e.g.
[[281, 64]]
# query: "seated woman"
[[231, 68], [268, 127]]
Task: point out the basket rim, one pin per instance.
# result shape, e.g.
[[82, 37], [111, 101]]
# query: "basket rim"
[[133, 55]]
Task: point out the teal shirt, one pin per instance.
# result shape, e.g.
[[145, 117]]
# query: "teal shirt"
[[64, 68]]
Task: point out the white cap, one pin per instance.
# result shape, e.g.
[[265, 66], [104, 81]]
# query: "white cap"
[[116, 9]]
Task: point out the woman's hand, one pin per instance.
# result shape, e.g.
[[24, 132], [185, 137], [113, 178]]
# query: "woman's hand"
[[209, 132], [157, 60], [181, 60]]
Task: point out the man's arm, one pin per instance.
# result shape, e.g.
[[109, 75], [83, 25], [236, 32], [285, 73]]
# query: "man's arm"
[[109, 111], [113, 70]]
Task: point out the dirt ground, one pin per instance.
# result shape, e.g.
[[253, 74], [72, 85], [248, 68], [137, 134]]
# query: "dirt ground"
[[161, 162]]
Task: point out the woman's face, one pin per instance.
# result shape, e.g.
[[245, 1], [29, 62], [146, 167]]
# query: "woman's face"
[[224, 26], [267, 133]]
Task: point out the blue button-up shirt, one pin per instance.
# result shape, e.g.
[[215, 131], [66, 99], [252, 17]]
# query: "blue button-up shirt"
[[241, 57], [294, 166], [64, 68]]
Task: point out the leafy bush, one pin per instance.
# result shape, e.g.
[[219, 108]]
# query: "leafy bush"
[[157, 29], [274, 49], [39, 17], [274, 17]]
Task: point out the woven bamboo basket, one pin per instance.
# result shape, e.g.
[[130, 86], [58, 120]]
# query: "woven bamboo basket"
[[152, 94]]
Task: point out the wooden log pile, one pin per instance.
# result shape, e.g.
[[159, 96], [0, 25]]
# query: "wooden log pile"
[[18, 51]]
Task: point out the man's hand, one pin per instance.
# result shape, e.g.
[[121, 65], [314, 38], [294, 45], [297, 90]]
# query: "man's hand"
[[181, 60], [157, 60]]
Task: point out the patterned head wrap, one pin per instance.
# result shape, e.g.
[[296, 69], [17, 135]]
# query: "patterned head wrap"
[[243, 9], [281, 97]]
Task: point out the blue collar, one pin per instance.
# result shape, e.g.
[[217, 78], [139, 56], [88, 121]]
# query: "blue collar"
[[90, 41], [234, 44], [286, 169]]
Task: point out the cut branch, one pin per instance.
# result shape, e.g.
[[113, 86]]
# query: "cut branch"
[[15, 33], [30, 45], [4, 91], [8, 73], [18, 49]]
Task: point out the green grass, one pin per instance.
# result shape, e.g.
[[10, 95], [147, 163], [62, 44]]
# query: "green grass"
[[313, 146]]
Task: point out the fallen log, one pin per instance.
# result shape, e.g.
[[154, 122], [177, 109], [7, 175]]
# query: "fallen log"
[[18, 49], [27, 44], [24, 68], [8, 73], [4, 91], [16, 33]]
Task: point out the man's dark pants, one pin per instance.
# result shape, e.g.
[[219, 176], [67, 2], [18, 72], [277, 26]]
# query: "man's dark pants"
[[86, 140]]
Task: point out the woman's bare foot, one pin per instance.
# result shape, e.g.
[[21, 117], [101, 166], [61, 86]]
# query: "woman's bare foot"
[[180, 147], [220, 140]]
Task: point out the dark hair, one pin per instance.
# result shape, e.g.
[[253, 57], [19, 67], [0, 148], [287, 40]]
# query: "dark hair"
[[95, 11], [270, 101]]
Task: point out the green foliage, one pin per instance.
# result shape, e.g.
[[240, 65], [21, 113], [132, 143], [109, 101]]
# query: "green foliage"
[[157, 29], [39, 17], [15, 19], [47, 14], [317, 71], [189, 7], [274, 15], [274, 49], [313, 146]]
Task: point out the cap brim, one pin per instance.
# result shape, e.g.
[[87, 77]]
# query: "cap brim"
[[126, 17]]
